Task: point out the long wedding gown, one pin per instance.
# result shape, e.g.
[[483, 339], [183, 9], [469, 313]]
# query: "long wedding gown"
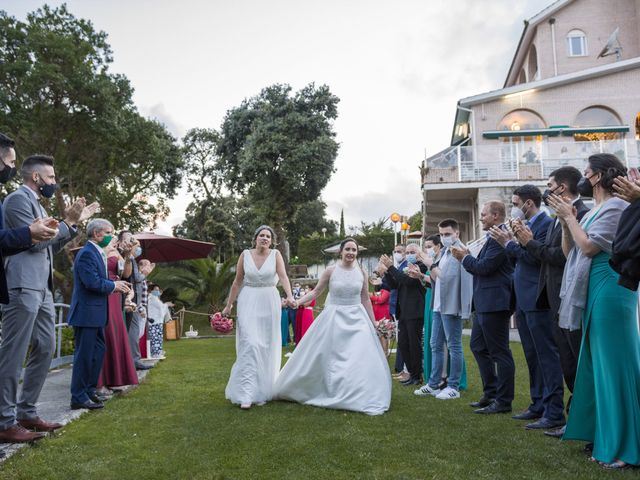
[[258, 336], [339, 363]]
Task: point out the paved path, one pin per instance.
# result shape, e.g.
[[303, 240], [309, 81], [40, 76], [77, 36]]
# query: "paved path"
[[53, 405]]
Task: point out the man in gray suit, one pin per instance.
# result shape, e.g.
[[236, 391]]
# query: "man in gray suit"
[[452, 295], [28, 319]]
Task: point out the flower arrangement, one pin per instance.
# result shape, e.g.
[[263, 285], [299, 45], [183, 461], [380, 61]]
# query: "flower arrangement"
[[386, 328], [221, 323]]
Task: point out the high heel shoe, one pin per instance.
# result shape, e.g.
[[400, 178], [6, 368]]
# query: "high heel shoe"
[[245, 406]]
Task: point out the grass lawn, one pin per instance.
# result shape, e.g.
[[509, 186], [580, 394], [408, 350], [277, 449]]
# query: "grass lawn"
[[178, 425]]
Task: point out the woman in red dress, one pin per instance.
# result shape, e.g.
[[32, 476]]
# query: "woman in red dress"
[[118, 368], [380, 303], [306, 317]]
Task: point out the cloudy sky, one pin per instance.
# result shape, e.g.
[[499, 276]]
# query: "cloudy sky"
[[398, 67]]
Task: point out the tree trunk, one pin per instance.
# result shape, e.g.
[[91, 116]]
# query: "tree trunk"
[[281, 235]]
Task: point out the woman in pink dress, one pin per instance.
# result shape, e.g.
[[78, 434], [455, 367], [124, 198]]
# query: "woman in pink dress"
[[117, 368], [306, 315]]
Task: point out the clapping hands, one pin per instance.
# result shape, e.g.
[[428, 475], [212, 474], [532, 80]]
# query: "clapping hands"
[[626, 189], [499, 235], [459, 253], [564, 208], [414, 271]]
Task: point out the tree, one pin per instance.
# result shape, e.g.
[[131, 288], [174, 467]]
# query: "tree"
[[308, 220], [342, 232], [200, 282], [204, 176], [377, 227], [58, 97], [279, 149], [415, 221]]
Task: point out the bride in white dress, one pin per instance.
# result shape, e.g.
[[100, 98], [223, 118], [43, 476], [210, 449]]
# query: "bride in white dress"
[[339, 362], [258, 342]]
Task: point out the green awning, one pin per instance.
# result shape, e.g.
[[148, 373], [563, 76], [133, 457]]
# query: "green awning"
[[554, 131], [614, 129], [493, 134]]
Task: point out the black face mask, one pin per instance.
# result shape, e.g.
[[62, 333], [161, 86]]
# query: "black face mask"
[[47, 190], [7, 173], [585, 188], [547, 193]]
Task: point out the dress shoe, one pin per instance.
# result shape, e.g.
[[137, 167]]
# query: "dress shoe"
[[527, 415], [89, 405], [544, 424], [411, 381], [142, 366], [495, 407], [483, 402], [97, 398], [19, 434], [404, 377], [39, 425], [558, 433]]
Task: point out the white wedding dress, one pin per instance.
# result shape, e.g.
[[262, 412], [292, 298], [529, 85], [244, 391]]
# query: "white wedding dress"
[[258, 342], [339, 362]]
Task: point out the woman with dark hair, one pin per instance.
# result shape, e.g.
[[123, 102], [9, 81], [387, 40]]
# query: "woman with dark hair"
[[605, 409], [339, 363], [258, 335]]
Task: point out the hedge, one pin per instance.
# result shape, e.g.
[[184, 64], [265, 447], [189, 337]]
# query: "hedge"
[[310, 248]]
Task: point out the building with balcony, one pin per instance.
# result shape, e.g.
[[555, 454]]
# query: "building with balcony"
[[571, 91]]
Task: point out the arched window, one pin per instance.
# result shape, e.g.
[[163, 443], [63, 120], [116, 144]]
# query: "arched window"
[[533, 63], [576, 43], [597, 116], [638, 126], [522, 78], [521, 120]]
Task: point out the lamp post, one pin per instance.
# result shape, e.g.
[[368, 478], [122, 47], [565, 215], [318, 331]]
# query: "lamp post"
[[324, 232], [395, 218]]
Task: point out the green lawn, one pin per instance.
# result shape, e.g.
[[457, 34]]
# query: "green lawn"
[[178, 425]]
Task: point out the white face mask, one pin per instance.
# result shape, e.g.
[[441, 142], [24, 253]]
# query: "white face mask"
[[517, 213], [398, 257], [449, 241], [431, 252]]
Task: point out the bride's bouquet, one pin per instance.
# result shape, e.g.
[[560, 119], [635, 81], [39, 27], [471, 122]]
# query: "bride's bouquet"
[[221, 323], [386, 328]]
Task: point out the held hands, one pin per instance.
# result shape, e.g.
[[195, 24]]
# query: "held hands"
[[43, 229], [459, 253], [226, 311], [626, 189], [499, 235]]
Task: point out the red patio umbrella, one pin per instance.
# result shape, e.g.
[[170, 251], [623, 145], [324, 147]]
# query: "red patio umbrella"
[[161, 248]]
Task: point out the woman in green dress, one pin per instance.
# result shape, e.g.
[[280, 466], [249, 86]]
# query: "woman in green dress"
[[605, 409]]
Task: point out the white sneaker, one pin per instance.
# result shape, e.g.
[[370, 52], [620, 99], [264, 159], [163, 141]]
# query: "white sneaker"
[[425, 391], [288, 354], [448, 394]]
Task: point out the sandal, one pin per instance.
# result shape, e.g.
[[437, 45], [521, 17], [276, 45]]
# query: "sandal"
[[616, 465]]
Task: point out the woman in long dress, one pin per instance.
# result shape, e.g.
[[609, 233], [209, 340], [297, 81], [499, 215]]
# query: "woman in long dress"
[[339, 363], [605, 408], [258, 336]]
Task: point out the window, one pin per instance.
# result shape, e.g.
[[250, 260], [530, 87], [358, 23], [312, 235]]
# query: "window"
[[576, 44], [521, 120], [533, 63], [597, 116]]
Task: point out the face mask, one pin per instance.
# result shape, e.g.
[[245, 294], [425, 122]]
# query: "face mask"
[[137, 252], [517, 213], [448, 242], [106, 240], [585, 188], [411, 258], [156, 293], [547, 193], [7, 174], [398, 257], [431, 252], [47, 190]]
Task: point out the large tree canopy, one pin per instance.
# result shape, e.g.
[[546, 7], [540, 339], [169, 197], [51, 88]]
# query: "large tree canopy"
[[279, 148], [57, 97]]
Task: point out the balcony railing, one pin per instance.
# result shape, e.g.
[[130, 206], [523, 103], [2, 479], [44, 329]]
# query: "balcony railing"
[[520, 160]]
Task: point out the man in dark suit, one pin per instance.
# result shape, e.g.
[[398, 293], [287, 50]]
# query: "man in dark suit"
[[492, 272], [535, 324], [88, 314], [563, 182], [409, 310]]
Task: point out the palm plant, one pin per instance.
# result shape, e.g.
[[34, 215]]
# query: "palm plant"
[[199, 282]]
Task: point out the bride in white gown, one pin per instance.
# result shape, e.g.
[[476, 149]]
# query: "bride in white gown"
[[258, 342], [339, 362]]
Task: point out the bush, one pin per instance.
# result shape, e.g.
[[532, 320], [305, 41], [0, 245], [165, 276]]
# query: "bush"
[[310, 248]]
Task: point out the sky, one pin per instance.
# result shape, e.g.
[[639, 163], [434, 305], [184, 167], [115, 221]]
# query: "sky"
[[398, 67]]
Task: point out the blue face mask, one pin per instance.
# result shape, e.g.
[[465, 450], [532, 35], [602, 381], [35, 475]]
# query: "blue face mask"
[[155, 293], [411, 258], [137, 252]]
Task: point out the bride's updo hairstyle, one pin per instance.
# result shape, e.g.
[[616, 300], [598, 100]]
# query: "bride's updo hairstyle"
[[344, 242], [261, 228]]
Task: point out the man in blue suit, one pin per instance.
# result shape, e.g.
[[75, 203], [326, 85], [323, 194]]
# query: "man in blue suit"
[[535, 324], [88, 314], [492, 271]]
